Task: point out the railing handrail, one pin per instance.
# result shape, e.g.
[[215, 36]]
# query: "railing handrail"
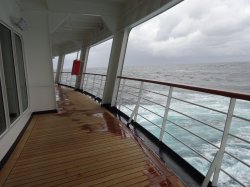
[[66, 72], [95, 74], [236, 95]]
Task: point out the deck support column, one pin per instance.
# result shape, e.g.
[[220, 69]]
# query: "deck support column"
[[59, 68], [83, 59], [116, 61]]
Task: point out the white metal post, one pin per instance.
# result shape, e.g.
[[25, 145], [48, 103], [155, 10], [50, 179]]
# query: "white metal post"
[[67, 80], [135, 111], [216, 165], [120, 100], [72, 81], [164, 121], [99, 90], [86, 84], [93, 85], [224, 140], [210, 171]]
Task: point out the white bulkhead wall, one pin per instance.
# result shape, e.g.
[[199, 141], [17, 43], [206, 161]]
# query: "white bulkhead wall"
[[38, 59], [8, 9], [37, 56]]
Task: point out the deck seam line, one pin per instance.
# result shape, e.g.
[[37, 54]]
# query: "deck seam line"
[[21, 147]]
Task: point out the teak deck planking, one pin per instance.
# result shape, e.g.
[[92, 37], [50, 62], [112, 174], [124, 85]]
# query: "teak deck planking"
[[81, 145]]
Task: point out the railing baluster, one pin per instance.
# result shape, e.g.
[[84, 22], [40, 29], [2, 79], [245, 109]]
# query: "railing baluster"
[[164, 121], [120, 100], [86, 84], [93, 84], [224, 140], [68, 75], [216, 166], [135, 111], [99, 90]]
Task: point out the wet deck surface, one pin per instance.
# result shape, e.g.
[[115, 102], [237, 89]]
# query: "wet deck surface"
[[81, 145]]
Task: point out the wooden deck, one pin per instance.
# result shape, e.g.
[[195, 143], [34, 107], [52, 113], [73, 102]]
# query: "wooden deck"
[[81, 145]]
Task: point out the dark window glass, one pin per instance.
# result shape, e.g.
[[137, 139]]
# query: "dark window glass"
[[2, 114], [21, 71], [9, 72]]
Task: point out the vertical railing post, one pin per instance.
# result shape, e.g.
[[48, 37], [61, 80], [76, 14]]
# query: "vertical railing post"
[[224, 140], [120, 100], [67, 80], [216, 165], [93, 85], [66, 76], [164, 121], [72, 80], [86, 84], [135, 111], [71, 76], [99, 90]]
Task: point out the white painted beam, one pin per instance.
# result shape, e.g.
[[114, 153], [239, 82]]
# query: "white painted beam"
[[116, 61], [137, 12], [56, 20], [84, 7]]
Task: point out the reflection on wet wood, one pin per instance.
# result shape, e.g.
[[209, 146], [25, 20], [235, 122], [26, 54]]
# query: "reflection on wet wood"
[[81, 145]]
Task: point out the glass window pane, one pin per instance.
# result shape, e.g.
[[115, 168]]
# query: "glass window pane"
[[22, 79], [2, 115], [9, 72]]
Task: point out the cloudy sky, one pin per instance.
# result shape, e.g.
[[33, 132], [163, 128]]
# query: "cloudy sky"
[[193, 31]]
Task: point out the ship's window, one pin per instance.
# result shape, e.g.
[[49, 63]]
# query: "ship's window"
[[2, 115], [21, 70], [9, 72]]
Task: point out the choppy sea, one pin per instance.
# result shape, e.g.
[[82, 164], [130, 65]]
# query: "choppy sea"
[[192, 131]]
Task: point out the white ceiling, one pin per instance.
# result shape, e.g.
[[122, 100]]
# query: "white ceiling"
[[73, 21]]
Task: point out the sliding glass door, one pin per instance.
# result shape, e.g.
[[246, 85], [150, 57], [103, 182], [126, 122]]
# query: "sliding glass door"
[[9, 72], [21, 71], [2, 113]]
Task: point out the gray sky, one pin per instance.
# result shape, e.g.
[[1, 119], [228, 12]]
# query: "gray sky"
[[193, 31], [99, 55]]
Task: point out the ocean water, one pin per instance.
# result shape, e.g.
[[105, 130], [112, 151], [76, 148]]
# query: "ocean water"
[[181, 130]]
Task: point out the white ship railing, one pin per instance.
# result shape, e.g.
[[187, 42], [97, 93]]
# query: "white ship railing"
[[68, 79], [94, 84], [133, 100]]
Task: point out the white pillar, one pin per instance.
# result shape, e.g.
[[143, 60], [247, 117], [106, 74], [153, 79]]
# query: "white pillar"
[[116, 61], [83, 59], [59, 68]]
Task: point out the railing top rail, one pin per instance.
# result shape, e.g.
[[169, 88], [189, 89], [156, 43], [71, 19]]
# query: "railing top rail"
[[94, 74], [236, 95], [66, 72]]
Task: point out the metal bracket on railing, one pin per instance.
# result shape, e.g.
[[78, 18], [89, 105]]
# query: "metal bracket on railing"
[[164, 121], [216, 164], [135, 111]]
